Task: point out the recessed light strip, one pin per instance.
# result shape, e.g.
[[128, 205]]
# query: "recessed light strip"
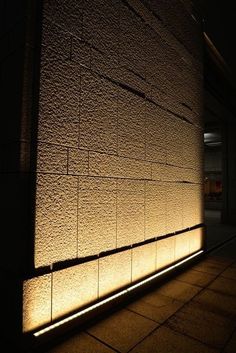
[[114, 296]]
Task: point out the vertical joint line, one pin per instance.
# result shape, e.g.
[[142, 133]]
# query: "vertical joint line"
[[98, 277], [77, 221], [51, 291], [116, 209], [67, 165], [145, 209]]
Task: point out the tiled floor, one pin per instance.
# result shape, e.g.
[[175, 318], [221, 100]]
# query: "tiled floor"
[[193, 313]]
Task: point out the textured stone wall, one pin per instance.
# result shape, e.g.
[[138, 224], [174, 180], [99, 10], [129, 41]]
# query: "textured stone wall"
[[119, 150]]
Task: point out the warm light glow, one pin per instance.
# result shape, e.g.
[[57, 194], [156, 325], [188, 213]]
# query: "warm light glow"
[[114, 296]]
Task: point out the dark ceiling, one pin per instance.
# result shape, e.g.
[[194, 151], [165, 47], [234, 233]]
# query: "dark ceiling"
[[219, 19]]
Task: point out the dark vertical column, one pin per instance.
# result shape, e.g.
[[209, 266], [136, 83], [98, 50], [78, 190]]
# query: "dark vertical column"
[[19, 28], [229, 173]]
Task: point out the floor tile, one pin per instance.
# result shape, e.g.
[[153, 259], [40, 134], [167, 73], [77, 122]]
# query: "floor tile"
[[178, 290], [155, 306], [218, 303], [224, 261], [224, 286], [197, 278], [123, 330], [231, 345], [81, 343], [210, 267], [165, 340], [230, 272], [205, 326]]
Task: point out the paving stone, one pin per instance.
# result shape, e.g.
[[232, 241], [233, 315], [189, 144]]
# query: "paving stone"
[[230, 346], [224, 261], [164, 340], [195, 321], [179, 290], [81, 343], [123, 330], [230, 273], [195, 277], [217, 302], [155, 306], [211, 267], [224, 286]]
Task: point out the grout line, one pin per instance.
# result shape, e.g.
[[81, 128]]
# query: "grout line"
[[77, 218], [103, 342]]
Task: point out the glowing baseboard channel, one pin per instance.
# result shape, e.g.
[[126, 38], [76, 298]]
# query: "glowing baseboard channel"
[[114, 296]]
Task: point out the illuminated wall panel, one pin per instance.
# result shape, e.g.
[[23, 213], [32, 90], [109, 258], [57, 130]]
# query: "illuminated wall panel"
[[196, 240], [77, 161], [96, 215], [142, 268], [130, 212], [114, 272], [174, 207], [182, 245], [119, 151], [119, 167], [36, 302], [56, 218], [155, 208], [98, 113], [165, 252], [74, 287]]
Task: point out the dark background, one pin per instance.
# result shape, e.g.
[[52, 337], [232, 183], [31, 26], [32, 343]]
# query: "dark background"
[[219, 23]]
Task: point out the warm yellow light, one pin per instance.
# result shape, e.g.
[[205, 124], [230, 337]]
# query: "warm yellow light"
[[114, 296]]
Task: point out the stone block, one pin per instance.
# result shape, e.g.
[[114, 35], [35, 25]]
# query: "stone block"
[[59, 103], [77, 162], [118, 167], [155, 209], [143, 261], [174, 141], [130, 212], [129, 147], [165, 252], [81, 52], [101, 25], [174, 174], [56, 219], [174, 207], [114, 272], [36, 302], [74, 287], [51, 159], [98, 113], [182, 245], [196, 240], [132, 41], [155, 153], [192, 205], [96, 216], [56, 42], [68, 15], [158, 171], [156, 128]]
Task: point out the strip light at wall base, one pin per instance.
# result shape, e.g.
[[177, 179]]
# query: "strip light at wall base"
[[114, 296]]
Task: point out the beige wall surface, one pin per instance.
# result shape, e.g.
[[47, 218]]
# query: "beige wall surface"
[[119, 149]]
